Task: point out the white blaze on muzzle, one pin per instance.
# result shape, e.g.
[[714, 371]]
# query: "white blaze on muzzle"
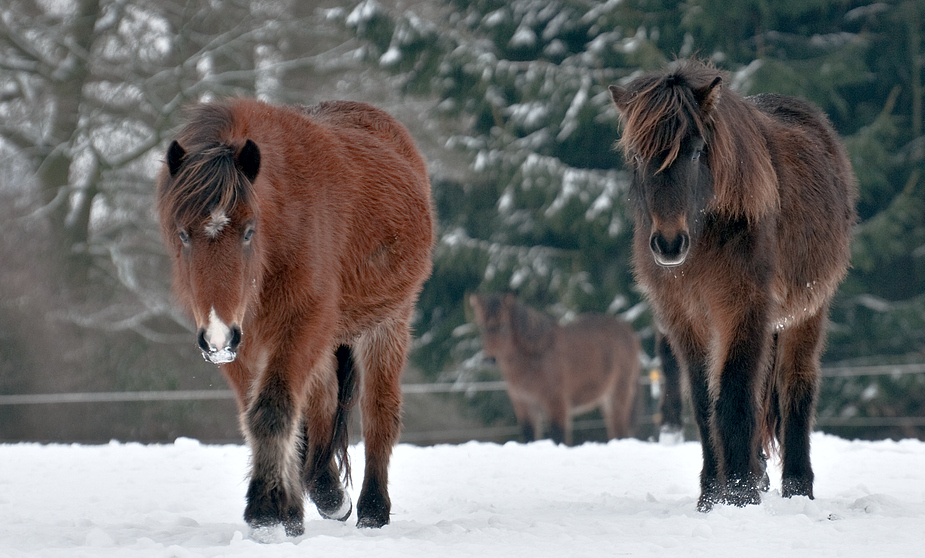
[[218, 337]]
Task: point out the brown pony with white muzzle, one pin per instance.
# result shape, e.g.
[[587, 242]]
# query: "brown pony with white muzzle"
[[744, 209], [300, 238]]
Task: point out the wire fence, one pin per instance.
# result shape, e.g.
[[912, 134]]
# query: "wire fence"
[[420, 388], [895, 370]]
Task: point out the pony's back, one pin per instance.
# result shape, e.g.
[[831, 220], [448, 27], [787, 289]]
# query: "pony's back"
[[599, 354], [351, 114], [806, 130], [593, 325], [533, 331]]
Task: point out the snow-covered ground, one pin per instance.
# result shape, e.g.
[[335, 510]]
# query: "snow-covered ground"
[[625, 498]]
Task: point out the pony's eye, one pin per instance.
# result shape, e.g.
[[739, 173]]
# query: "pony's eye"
[[184, 238], [248, 235], [696, 155]]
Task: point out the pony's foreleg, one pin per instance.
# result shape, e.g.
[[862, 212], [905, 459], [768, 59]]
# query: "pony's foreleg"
[[381, 353], [798, 387], [736, 403], [274, 495]]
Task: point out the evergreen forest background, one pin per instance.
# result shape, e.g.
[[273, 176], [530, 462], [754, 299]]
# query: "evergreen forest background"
[[507, 99]]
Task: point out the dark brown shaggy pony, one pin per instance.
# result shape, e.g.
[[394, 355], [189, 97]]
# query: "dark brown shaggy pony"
[[560, 371], [300, 238], [744, 210]]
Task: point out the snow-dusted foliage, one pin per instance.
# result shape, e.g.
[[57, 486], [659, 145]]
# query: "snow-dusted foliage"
[[542, 208], [523, 83]]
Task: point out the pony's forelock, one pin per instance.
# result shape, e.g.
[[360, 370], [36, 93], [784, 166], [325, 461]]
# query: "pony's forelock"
[[660, 110], [208, 183], [649, 132]]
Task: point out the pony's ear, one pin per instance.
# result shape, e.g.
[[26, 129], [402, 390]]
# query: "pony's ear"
[[248, 160], [619, 96], [709, 95], [175, 155]]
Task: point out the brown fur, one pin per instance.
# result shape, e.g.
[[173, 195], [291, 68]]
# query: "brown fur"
[[560, 371], [327, 243], [740, 252]]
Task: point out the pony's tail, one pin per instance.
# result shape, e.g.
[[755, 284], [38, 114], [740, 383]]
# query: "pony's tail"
[[769, 424], [346, 398]]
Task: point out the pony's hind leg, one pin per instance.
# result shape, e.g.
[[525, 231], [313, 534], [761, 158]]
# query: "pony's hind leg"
[[381, 353], [798, 387], [618, 414], [671, 431], [325, 425], [698, 375], [560, 420], [530, 427]]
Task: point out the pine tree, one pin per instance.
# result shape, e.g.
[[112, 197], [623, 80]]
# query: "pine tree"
[[542, 210]]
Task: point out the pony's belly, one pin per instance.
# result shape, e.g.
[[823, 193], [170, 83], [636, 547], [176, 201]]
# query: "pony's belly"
[[795, 311]]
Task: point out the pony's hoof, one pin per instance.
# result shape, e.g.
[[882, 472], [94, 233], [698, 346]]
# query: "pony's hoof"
[[294, 528], [341, 513], [371, 522], [741, 496], [268, 532], [373, 506], [710, 495], [705, 504], [796, 487]]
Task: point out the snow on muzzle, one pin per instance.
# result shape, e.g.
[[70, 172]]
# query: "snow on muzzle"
[[218, 341]]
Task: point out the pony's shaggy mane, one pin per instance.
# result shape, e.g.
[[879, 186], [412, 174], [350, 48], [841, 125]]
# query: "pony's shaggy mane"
[[661, 112], [663, 109], [209, 179]]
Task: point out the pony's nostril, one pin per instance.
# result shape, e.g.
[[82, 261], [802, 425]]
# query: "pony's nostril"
[[685, 241], [201, 341], [657, 244], [235, 338]]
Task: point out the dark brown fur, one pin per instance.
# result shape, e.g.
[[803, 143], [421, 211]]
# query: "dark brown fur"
[[744, 212], [555, 371], [305, 234]]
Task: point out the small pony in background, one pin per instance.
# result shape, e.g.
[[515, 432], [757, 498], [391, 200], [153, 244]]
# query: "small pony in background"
[[300, 238], [557, 372], [744, 209]]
